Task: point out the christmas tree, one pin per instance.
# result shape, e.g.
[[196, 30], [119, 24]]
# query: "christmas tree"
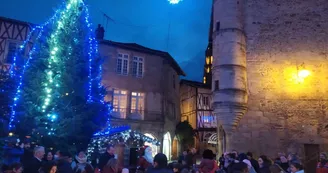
[[59, 97]]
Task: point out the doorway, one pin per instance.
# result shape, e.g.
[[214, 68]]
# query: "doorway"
[[312, 152]]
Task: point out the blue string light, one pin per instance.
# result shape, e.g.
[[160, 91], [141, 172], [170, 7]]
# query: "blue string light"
[[92, 53], [22, 47]]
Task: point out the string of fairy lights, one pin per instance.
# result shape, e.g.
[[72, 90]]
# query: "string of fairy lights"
[[12, 71], [117, 135], [72, 8]]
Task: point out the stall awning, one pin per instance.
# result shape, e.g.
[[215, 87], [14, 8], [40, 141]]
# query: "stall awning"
[[213, 139]]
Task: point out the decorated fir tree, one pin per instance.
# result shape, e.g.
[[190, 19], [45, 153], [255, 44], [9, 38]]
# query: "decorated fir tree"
[[59, 97]]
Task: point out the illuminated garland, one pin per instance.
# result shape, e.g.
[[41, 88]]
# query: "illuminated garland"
[[118, 135], [12, 118], [72, 8]]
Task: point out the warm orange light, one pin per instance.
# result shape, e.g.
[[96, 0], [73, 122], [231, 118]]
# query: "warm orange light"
[[204, 79], [211, 59], [208, 69], [207, 60]]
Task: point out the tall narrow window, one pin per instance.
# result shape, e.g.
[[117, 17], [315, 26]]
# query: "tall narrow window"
[[12, 48], [205, 101], [138, 103], [216, 85], [211, 60], [204, 80], [120, 99], [207, 60], [137, 69], [122, 64], [217, 26]]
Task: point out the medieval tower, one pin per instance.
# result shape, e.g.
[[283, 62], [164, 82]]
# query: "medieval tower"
[[270, 75]]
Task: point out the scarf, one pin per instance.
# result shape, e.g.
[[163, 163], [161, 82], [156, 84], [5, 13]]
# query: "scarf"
[[148, 155], [82, 163], [81, 160]]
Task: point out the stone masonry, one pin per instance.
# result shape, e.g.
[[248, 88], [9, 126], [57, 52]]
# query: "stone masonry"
[[282, 37]]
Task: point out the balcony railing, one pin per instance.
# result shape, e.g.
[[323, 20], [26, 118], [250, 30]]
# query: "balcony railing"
[[135, 114]]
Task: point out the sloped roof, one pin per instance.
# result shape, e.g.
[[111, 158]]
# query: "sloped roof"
[[16, 21], [139, 48], [194, 84]]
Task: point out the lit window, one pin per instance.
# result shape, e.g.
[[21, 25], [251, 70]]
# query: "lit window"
[[211, 59], [208, 70], [120, 99], [204, 79], [137, 103], [122, 64], [137, 68], [207, 60]]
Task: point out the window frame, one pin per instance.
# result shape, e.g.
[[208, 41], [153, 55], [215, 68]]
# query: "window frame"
[[120, 107], [124, 58], [140, 98], [6, 52], [139, 60]]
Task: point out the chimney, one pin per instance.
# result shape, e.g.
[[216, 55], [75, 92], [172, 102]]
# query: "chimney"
[[100, 32]]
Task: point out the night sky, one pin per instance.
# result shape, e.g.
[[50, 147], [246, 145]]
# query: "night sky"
[[141, 21]]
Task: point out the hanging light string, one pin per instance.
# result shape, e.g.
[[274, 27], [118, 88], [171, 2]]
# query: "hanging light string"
[[12, 118]]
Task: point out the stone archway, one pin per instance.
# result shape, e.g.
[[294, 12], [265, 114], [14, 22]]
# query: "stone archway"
[[154, 148], [167, 147]]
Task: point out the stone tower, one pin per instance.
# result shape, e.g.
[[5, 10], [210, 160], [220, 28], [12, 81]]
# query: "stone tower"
[[229, 83]]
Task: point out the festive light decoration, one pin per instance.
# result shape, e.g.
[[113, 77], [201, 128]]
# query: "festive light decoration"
[[118, 135], [174, 1], [62, 22]]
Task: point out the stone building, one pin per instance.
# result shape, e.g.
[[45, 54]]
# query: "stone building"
[[143, 86], [270, 64]]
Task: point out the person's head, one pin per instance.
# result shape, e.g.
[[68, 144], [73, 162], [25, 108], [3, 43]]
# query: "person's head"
[[323, 156], [113, 163], [249, 155], [295, 167], [49, 156], [81, 154], [231, 156], [65, 155], [27, 144], [292, 157], [235, 152], [17, 168], [160, 161], [283, 159], [240, 167], [49, 167], [263, 160], [110, 149], [242, 156], [208, 154], [39, 152], [193, 151], [176, 167]]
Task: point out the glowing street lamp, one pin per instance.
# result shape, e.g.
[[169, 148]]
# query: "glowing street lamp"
[[173, 2], [303, 74]]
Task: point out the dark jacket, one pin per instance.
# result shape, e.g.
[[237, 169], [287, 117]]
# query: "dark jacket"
[[255, 165], [104, 158], [26, 157], [33, 166], [63, 166]]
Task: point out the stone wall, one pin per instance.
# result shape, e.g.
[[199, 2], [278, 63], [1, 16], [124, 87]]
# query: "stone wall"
[[285, 111]]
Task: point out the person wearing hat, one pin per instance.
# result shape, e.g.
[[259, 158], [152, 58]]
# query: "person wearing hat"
[[146, 159]]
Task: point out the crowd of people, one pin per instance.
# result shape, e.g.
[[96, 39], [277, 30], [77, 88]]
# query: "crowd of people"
[[21, 158]]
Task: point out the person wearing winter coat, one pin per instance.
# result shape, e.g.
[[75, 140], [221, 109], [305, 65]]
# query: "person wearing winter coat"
[[159, 165], [265, 164], [208, 164], [322, 166], [146, 160], [35, 163], [296, 168], [104, 158], [82, 166], [63, 162]]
